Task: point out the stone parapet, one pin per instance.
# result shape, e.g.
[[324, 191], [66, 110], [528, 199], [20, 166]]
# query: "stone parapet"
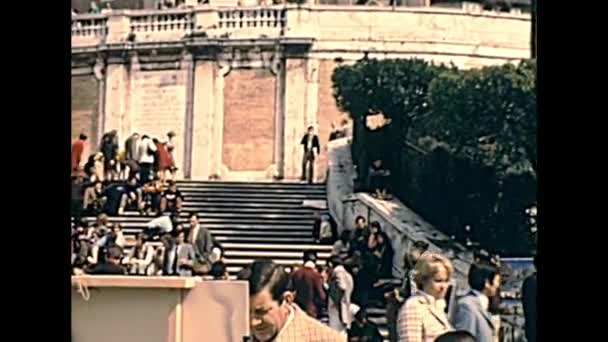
[[323, 23]]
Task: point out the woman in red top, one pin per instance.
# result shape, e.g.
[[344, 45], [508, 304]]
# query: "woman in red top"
[[164, 160], [77, 150]]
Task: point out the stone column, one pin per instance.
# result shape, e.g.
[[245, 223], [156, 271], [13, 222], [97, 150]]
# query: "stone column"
[[99, 70], [312, 92], [188, 65], [119, 27], [217, 128], [295, 116], [278, 70], [117, 96], [202, 119]]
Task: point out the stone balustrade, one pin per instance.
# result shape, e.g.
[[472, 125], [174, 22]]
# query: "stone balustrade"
[[260, 17], [313, 21], [161, 25], [252, 21], [89, 29]]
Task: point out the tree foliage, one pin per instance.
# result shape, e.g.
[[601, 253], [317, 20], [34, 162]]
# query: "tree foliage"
[[487, 115], [482, 171], [397, 88]]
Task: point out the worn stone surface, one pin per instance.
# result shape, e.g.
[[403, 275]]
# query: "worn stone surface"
[[402, 225], [327, 111], [85, 109], [249, 110], [295, 116], [158, 104], [202, 142], [154, 101]]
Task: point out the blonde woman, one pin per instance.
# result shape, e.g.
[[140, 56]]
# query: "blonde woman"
[[422, 318]]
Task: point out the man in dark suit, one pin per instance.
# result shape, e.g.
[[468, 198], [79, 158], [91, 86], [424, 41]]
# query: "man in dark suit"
[[471, 311], [112, 264], [310, 142], [308, 285], [181, 257], [203, 243], [528, 298]]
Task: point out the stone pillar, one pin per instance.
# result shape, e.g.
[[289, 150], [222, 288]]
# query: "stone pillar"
[[202, 119], [217, 128], [117, 96], [188, 65], [312, 93], [279, 119], [301, 22], [99, 70], [119, 27], [295, 116]]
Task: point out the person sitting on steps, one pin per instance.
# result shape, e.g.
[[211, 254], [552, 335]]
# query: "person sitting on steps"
[[378, 180]]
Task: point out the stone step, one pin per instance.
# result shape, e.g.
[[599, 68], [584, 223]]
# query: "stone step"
[[244, 240], [239, 201], [260, 235], [257, 197], [295, 255], [267, 239], [265, 185], [272, 247], [248, 191], [253, 194], [245, 218], [241, 262], [293, 205], [210, 209]]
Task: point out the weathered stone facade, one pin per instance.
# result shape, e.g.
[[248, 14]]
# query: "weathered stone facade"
[[240, 86], [249, 104]]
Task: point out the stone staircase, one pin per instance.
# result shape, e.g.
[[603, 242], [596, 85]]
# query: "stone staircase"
[[253, 220]]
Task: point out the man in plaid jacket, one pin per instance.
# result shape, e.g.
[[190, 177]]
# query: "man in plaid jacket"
[[274, 317]]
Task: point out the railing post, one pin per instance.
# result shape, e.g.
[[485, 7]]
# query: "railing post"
[[206, 18], [119, 27], [299, 22]]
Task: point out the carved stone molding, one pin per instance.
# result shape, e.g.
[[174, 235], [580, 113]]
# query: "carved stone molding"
[[99, 69]]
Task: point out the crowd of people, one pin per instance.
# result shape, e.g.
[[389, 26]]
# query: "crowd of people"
[[141, 156], [423, 307], [285, 306], [138, 177], [165, 247]]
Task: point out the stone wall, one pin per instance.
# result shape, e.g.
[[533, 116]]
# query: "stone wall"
[[249, 110], [85, 109], [158, 105], [243, 119], [327, 111], [401, 224]]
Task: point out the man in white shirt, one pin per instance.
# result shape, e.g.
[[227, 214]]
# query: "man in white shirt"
[[471, 312], [341, 287], [145, 151]]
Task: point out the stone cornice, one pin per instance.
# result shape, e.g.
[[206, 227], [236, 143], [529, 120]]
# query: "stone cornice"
[[169, 54]]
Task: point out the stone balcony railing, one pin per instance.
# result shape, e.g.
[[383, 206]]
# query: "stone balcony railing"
[[291, 21], [161, 25], [89, 29]]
